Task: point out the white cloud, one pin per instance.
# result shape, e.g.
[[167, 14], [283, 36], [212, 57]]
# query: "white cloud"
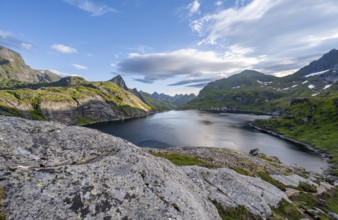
[[95, 9], [4, 34], [187, 62], [89, 55], [61, 48], [62, 74], [194, 7], [218, 3], [26, 46], [275, 29], [79, 67]]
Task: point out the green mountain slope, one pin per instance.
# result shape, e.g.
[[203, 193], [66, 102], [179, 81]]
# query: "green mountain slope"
[[311, 120], [13, 68], [97, 101], [155, 104], [256, 92]]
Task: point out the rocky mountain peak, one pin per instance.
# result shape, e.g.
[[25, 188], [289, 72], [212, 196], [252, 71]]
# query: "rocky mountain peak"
[[118, 80], [327, 62]]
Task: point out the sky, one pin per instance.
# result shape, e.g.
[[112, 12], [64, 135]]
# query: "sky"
[[168, 46]]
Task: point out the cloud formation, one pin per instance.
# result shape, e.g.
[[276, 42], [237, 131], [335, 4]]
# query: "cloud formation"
[[194, 7], [188, 62], [190, 81], [95, 9], [275, 29], [7, 39], [79, 67], [61, 48]]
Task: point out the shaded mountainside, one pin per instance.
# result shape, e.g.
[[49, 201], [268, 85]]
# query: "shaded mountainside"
[[257, 92], [155, 104], [14, 68], [77, 104], [49, 169], [178, 99]]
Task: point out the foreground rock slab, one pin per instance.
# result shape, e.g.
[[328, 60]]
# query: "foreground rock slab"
[[53, 171]]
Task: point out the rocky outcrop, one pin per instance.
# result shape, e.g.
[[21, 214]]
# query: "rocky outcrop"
[[118, 80], [52, 170], [231, 189]]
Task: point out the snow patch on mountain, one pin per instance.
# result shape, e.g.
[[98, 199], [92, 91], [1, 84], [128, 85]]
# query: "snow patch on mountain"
[[316, 73], [327, 86], [311, 86]]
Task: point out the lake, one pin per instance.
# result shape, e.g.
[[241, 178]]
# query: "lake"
[[201, 128]]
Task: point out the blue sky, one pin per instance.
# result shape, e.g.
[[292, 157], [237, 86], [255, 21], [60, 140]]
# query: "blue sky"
[[170, 46]]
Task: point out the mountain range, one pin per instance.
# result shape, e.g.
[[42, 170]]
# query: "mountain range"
[[257, 92]]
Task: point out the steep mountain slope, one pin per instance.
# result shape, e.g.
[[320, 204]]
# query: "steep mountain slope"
[[118, 80], [84, 103], [178, 99], [246, 91], [327, 62], [13, 67], [156, 105], [257, 92]]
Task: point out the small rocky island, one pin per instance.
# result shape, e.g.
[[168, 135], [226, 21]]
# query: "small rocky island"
[[69, 172]]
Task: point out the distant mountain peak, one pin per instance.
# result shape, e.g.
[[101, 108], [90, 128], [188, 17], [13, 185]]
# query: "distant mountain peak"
[[327, 62], [118, 80]]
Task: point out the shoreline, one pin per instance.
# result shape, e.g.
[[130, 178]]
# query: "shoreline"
[[323, 154]]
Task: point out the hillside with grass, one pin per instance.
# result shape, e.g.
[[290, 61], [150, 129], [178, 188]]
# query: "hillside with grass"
[[74, 104], [311, 120]]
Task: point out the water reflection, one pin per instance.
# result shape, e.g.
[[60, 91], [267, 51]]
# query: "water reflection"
[[196, 128]]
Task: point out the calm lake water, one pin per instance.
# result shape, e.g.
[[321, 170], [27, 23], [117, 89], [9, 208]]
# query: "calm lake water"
[[199, 128]]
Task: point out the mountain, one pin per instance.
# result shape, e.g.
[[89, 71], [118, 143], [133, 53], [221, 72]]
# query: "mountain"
[[328, 61], [256, 92], [43, 95], [155, 104], [14, 68], [178, 99], [118, 80]]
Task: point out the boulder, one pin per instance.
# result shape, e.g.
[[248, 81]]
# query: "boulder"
[[50, 170], [254, 152]]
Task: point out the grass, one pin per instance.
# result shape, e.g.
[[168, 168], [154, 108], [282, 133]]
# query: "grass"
[[242, 171], [267, 178], [2, 212], [183, 160], [286, 210], [236, 213], [313, 121], [307, 187], [328, 201], [82, 121]]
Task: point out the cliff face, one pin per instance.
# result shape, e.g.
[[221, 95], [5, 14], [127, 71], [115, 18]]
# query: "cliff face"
[[91, 102]]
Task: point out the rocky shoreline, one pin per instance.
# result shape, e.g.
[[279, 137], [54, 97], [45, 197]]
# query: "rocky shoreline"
[[320, 152]]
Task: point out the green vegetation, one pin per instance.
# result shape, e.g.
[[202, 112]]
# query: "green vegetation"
[[156, 105], [2, 212], [242, 171], [327, 202], [313, 121], [27, 102], [183, 159], [306, 187], [82, 121], [236, 213], [286, 210], [266, 177]]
